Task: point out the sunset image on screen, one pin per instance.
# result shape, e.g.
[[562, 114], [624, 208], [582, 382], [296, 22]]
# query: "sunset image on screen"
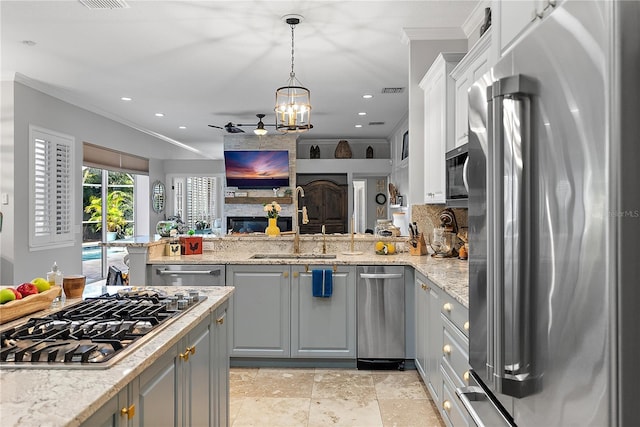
[[257, 169]]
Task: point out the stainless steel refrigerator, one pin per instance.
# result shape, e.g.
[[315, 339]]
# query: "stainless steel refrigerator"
[[552, 145]]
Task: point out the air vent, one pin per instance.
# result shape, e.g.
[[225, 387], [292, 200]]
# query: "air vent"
[[105, 4], [376, 123], [393, 90]]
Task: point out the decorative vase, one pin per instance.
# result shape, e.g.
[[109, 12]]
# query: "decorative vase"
[[272, 230]]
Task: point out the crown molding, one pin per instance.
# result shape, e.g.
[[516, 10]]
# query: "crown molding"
[[475, 18], [445, 33]]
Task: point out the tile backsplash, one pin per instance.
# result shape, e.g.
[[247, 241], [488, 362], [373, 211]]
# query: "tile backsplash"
[[427, 218]]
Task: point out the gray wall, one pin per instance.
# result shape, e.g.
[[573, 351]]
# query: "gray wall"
[[23, 106]]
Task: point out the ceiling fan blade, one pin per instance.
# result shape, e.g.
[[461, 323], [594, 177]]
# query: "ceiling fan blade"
[[214, 126]]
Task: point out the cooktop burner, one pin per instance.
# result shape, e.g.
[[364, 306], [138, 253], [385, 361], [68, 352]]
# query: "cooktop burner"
[[93, 333]]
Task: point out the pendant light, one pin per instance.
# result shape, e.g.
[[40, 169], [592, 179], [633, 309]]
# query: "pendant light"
[[293, 101]]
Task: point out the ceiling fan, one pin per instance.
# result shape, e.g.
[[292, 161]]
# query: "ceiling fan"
[[259, 130]]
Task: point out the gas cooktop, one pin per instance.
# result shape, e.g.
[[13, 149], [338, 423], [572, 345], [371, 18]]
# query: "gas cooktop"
[[94, 333]]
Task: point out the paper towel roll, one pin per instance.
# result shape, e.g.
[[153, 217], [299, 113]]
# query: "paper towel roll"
[[400, 221]]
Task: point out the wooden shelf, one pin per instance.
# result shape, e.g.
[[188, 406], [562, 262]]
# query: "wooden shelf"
[[257, 200]]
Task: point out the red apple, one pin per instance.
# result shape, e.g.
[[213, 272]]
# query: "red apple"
[[27, 289], [16, 293]]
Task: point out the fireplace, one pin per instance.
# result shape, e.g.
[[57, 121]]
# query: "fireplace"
[[255, 224]]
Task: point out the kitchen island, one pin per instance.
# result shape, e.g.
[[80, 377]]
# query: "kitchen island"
[[450, 274], [69, 397]]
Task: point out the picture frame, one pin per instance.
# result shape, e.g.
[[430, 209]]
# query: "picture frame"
[[405, 146]]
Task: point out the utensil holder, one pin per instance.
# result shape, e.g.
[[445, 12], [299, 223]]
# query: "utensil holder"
[[420, 248]]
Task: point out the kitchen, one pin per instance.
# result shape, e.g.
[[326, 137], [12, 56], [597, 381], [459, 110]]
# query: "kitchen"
[[618, 249]]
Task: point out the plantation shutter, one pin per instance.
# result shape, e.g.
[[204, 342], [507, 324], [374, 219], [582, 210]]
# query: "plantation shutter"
[[52, 189], [201, 196]]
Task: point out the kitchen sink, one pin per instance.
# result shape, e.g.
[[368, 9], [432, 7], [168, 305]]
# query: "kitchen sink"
[[294, 256]]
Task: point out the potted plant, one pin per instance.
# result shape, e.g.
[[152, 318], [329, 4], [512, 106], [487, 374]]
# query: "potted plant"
[[118, 203]]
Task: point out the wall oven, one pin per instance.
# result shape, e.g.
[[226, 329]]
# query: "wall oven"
[[457, 188]]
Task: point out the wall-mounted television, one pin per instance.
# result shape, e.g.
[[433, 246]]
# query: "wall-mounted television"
[[257, 168]]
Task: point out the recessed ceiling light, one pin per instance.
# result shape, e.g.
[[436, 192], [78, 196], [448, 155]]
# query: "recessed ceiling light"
[[362, 113], [125, 98], [358, 126], [159, 114], [367, 96], [182, 127]]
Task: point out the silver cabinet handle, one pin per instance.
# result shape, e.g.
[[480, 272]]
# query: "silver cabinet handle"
[[465, 174], [166, 271], [381, 275], [470, 394]]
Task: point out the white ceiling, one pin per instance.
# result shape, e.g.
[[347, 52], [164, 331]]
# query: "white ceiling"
[[213, 62]]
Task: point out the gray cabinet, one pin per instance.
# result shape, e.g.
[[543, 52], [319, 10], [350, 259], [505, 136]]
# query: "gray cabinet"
[[187, 386], [323, 327], [110, 415], [442, 347], [158, 396], [220, 369], [273, 313], [260, 310], [194, 360]]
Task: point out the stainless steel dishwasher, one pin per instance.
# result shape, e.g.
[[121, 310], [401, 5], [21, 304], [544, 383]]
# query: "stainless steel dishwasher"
[[187, 275], [380, 308]]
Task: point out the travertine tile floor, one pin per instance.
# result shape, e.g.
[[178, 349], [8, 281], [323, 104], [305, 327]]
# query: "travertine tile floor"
[[268, 397]]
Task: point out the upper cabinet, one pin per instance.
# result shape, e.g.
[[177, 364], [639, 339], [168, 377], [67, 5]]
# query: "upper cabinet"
[[439, 109], [469, 69], [514, 17]]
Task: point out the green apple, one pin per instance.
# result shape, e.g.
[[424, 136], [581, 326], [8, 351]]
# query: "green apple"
[[6, 295], [41, 284]]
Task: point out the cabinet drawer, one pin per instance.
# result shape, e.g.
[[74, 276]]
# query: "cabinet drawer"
[[455, 313], [455, 353], [451, 409]]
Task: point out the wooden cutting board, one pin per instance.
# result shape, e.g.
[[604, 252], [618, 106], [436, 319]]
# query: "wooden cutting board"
[[21, 307]]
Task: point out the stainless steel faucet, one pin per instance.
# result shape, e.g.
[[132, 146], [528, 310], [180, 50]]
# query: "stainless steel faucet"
[[305, 219]]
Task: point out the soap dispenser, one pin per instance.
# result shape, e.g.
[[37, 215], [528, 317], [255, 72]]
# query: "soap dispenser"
[[54, 277]]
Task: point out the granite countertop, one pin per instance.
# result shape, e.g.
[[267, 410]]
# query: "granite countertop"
[[67, 397], [450, 274]]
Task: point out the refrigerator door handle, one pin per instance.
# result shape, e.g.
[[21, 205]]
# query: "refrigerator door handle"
[[512, 361]]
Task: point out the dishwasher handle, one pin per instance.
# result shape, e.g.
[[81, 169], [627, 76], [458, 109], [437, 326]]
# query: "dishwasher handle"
[[166, 271], [381, 275]]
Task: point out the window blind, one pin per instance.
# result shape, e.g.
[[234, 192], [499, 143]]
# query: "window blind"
[[106, 158], [52, 195]]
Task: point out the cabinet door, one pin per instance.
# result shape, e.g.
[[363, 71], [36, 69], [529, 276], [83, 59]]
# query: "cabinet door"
[[434, 343], [220, 369], [260, 310], [194, 359], [160, 392], [109, 414], [463, 83], [435, 143], [422, 332], [323, 327]]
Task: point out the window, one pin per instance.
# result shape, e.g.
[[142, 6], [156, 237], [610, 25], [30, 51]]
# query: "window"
[[51, 199], [195, 200]]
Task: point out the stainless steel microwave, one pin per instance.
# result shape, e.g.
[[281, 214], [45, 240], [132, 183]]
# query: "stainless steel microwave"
[[457, 190]]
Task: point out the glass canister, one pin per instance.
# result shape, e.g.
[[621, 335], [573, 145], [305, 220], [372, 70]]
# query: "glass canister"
[[385, 228]]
